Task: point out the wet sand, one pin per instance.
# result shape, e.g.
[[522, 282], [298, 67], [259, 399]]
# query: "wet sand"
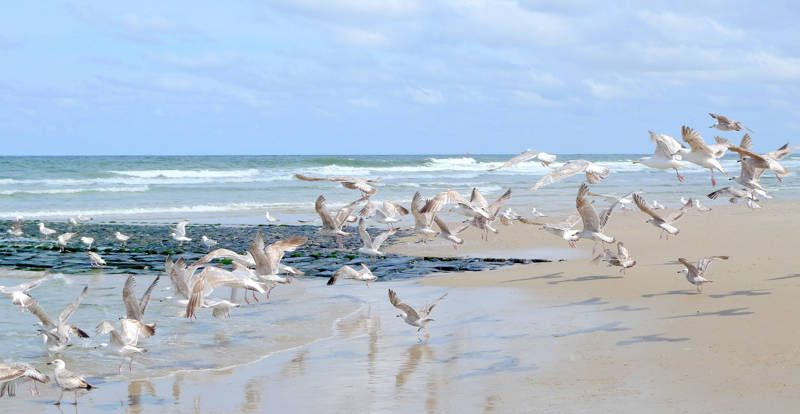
[[566, 336]]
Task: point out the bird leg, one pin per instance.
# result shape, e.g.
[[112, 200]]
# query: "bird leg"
[[130, 365], [339, 241], [713, 181], [76, 398], [59, 398], [680, 177], [778, 177], [119, 368], [269, 291]]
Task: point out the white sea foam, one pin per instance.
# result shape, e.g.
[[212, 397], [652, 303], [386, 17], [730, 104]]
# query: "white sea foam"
[[250, 172], [137, 189]]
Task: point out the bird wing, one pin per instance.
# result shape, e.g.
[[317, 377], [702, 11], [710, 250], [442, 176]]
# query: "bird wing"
[[37, 310], [394, 208], [307, 178], [379, 239], [442, 226], [747, 153], [570, 168], [622, 251], [695, 140], [703, 263], [129, 298], [606, 214], [362, 231], [495, 207], [9, 373], [180, 228], [263, 262], [355, 183], [24, 287], [591, 221], [522, 157], [344, 272], [176, 276], [747, 142], [324, 214], [476, 198], [720, 119], [596, 173], [439, 200], [666, 146], [781, 152], [642, 204], [67, 312], [408, 310], [424, 312], [344, 213], [145, 300], [691, 267], [290, 244]]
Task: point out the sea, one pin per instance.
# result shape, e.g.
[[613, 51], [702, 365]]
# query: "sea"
[[240, 189]]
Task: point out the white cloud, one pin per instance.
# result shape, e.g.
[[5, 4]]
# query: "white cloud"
[[684, 28], [360, 37], [534, 98], [382, 8], [134, 22], [363, 102], [603, 90], [426, 96], [544, 78]]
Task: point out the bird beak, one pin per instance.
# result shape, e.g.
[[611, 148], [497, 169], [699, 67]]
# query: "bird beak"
[[635, 162]]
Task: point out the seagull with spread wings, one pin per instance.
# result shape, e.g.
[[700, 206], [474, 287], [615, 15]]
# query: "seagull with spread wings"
[[347, 272], [180, 233], [666, 224], [593, 223], [372, 246], [702, 154], [529, 154], [422, 221], [666, 156], [57, 334], [332, 225], [19, 293], [387, 214], [484, 224], [13, 373], [594, 173], [352, 183], [418, 319], [726, 124], [563, 229], [621, 259], [694, 272]]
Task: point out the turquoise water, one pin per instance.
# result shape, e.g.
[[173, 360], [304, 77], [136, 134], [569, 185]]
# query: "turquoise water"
[[240, 188]]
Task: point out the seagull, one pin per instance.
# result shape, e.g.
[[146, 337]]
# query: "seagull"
[[84, 219], [13, 373], [268, 260], [484, 223], [666, 156], [529, 154], [655, 205], [135, 309], [624, 202], [700, 207], [57, 334], [665, 224], [332, 225], [45, 231], [593, 224], [562, 229], [725, 124], [73, 221], [622, 258], [736, 195], [124, 342], [352, 183], [68, 381], [96, 259], [347, 272], [594, 173], [508, 217], [87, 241], [16, 227], [19, 294], [269, 218], [418, 319], [694, 272], [123, 238], [768, 161], [180, 233], [465, 207], [702, 154], [386, 215], [372, 246], [209, 279], [537, 213], [62, 240], [422, 221], [445, 233], [209, 243]]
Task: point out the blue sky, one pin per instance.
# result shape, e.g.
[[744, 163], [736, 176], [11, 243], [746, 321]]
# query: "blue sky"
[[394, 76]]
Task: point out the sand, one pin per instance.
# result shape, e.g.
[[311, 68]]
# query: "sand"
[[559, 337], [659, 345]]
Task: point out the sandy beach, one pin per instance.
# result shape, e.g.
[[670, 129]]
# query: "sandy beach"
[[565, 336]]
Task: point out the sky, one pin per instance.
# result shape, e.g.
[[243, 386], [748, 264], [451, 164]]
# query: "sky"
[[391, 76]]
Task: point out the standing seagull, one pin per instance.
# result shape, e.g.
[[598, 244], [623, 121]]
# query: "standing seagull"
[[16, 227], [666, 156], [725, 124], [180, 233], [269, 218], [418, 319], [526, 155], [702, 154], [68, 381], [347, 272], [372, 246], [694, 272], [122, 238], [45, 231], [17, 372], [19, 294], [96, 259], [594, 173], [87, 241], [209, 243], [593, 224], [665, 224], [62, 240]]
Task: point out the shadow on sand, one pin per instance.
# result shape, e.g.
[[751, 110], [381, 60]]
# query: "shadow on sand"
[[650, 338]]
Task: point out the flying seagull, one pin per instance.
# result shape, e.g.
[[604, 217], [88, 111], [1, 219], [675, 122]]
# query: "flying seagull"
[[347, 272], [594, 173], [529, 154], [418, 319], [352, 183], [694, 272], [725, 124], [666, 156]]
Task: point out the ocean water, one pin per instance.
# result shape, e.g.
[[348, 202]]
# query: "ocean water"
[[238, 189]]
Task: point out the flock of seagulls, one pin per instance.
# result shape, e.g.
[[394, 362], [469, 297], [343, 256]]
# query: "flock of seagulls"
[[258, 271]]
